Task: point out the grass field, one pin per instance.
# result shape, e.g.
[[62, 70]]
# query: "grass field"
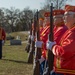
[[14, 61]]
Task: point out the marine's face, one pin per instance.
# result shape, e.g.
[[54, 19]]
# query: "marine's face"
[[68, 19], [40, 22], [47, 19], [57, 19]]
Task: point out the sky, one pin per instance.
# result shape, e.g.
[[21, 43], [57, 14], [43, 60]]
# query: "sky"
[[33, 4], [71, 2], [21, 4]]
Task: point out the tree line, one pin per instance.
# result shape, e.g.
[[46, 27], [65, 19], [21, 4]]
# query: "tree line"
[[15, 20]]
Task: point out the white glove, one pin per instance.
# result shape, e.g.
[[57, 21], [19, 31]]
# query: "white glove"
[[28, 32], [32, 38], [52, 72], [41, 59], [50, 44], [2, 42], [29, 36], [38, 44]]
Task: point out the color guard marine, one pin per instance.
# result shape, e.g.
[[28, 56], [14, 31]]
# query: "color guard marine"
[[65, 51], [2, 40]]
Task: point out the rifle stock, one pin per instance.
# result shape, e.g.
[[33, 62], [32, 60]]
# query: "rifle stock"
[[50, 37], [36, 70], [32, 49], [50, 54], [29, 40]]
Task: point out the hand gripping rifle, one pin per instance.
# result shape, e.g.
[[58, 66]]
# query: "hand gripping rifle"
[[36, 69], [32, 49], [50, 54], [29, 39]]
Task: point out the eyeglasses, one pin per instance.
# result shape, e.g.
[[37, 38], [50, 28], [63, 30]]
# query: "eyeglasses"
[[67, 14], [57, 17]]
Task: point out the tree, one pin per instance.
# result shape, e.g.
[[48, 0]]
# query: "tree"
[[25, 17], [1, 17], [15, 20], [12, 16], [58, 4]]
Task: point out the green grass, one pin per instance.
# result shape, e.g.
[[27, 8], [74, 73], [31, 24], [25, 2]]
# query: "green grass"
[[14, 61]]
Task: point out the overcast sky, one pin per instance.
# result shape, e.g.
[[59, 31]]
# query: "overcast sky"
[[33, 4]]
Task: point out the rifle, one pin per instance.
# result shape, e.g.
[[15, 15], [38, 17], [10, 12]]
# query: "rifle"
[[29, 39], [32, 49], [50, 37], [36, 69]]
